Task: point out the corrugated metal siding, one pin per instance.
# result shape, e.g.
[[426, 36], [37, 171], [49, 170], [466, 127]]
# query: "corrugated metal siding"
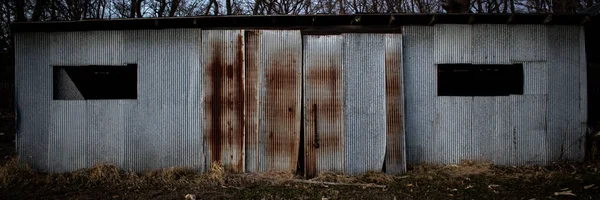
[[484, 129], [281, 83], [546, 123], [564, 114], [453, 129], [528, 119], [33, 96], [323, 104], [583, 89], [491, 44], [453, 43], [420, 84], [223, 84], [535, 79], [528, 43], [395, 155], [251, 101], [133, 134], [169, 100], [364, 105]]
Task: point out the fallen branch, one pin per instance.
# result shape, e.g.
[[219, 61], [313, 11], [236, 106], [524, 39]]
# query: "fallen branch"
[[364, 185]]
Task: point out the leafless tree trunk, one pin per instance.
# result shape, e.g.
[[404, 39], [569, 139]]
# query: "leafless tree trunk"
[[174, 6], [457, 6], [20, 10], [228, 6]]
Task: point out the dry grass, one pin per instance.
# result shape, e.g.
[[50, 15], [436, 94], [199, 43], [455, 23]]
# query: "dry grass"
[[14, 171], [216, 173], [433, 181]]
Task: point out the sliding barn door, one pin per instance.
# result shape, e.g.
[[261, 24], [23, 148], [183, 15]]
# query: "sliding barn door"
[[353, 103], [323, 104], [274, 85]]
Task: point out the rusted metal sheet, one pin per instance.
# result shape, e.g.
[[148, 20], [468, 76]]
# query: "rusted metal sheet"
[[223, 51], [395, 155], [251, 101], [279, 100], [323, 104]]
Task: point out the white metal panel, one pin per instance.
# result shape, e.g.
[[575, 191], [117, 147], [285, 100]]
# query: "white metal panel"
[[491, 44], [535, 76], [453, 43], [364, 102]]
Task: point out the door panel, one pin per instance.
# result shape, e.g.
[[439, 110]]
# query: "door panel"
[[395, 156], [364, 102], [323, 104], [279, 91], [223, 82]]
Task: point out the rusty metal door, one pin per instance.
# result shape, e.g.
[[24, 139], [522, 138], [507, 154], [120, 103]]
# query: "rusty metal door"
[[353, 103], [323, 104], [223, 82], [274, 85]]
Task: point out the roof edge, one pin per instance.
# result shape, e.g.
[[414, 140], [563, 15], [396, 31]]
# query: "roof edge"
[[299, 21]]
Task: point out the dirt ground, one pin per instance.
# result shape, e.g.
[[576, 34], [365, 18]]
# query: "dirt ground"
[[465, 181]]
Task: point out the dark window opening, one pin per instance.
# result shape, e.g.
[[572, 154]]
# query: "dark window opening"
[[479, 80], [95, 82]]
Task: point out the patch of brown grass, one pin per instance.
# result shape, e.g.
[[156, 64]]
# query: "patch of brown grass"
[[334, 177], [467, 167], [14, 171], [104, 173], [216, 173], [375, 177]]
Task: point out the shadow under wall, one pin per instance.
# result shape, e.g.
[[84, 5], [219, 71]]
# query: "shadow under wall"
[[592, 44]]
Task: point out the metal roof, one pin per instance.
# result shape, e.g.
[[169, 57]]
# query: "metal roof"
[[326, 23]]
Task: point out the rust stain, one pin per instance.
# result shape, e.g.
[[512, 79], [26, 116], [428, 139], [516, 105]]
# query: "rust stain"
[[251, 102], [281, 115], [216, 74], [225, 105], [325, 90], [239, 99]]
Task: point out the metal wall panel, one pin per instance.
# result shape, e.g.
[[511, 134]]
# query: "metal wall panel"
[[452, 43], [420, 84], [364, 105], [485, 116], [506, 130], [323, 104], [583, 89], [529, 128], [252, 92], [106, 129], [65, 135], [491, 44], [528, 43], [535, 76], [169, 128], [223, 84], [453, 129], [395, 155], [566, 135], [505, 137], [280, 99]]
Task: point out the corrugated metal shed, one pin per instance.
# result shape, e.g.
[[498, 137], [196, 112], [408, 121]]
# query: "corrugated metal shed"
[[237, 96]]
